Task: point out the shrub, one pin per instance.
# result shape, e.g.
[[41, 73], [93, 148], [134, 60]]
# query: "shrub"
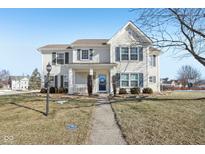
[[43, 90], [122, 91], [61, 90], [66, 90], [56, 90], [1, 85], [52, 90], [135, 90], [147, 91]]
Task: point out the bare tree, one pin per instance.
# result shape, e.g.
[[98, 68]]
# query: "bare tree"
[[181, 30], [187, 73], [4, 74]]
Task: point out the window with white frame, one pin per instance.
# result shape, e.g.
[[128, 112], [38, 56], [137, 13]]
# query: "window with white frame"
[[152, 79], [124, 79], [131, 80], [124, 53], [85, 54], [60, 58], [134, 79], [129, 53], [133, 53], [152, 60]]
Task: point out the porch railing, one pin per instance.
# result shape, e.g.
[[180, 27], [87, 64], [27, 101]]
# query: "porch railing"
[[80, 88]]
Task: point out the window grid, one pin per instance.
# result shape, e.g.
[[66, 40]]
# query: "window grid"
[[133, 80], [84, 54], [130, 54], [60, 58]]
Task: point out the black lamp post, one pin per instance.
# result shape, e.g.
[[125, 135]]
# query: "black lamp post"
[[48, 68]]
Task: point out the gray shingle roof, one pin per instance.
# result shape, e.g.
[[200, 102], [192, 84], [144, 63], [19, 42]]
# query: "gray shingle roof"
[[18, 77], [56, 46], [90, 42]]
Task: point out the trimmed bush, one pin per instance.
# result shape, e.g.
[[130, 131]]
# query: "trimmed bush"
[[122, 91], [147, 91], [61, 90], [135, 90], [56, 90], [52, 90], [43, 90], [66, 90]]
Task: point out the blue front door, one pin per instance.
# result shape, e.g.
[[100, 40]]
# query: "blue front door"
[[102, 82]]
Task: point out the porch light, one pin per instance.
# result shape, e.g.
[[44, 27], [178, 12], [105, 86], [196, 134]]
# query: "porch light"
[[48, 68]]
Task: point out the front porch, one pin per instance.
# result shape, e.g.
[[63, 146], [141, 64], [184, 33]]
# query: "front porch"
[[101, 75]]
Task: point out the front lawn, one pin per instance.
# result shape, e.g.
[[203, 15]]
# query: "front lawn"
[[178, 118], [22, 120]]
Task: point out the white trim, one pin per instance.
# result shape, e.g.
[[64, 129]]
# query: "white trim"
[[134, 26]]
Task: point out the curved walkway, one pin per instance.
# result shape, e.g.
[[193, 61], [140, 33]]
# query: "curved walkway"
[[104, 128]]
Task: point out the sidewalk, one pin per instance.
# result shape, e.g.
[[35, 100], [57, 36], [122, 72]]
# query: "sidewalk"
[[104, 129]]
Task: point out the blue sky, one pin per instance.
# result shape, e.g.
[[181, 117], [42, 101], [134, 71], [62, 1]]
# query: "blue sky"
[[22, 31]]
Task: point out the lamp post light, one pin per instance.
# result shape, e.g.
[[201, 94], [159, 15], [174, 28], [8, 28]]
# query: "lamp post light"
[[48, 68]]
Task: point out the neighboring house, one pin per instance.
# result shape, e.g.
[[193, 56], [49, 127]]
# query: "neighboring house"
[[170, 83], [19, 82], [200, 84], [129, 55]]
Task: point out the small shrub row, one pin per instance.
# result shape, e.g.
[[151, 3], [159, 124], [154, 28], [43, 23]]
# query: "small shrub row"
[[54, 90], [135, 91]]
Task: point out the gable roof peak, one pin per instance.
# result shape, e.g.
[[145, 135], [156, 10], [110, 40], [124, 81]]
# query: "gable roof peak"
[[131, 23]]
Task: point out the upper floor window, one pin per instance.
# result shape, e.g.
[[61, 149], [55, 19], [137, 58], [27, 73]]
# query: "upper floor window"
[[124, 53], [60, 58], [85, 54], [133, 53], [152, 60]]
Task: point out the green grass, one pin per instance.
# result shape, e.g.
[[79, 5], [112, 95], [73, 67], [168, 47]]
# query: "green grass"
[[22, 118], [178, 118]]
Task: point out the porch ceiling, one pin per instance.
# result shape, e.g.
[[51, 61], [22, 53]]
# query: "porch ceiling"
[[92, 65]]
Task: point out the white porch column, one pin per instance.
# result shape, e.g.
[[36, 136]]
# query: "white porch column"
[[91, 71], [70, 78], [112, 72]]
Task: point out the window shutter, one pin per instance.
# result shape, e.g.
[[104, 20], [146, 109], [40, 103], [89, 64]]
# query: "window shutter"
[[66, 58], [54, 58], [56, 81], [117, 79], [154, 60], [140, 54], [78, 54], [62, 81], [117, 54], [141, 80], [91, 54]]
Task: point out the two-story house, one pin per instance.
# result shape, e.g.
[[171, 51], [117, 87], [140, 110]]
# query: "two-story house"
[[129, 55]]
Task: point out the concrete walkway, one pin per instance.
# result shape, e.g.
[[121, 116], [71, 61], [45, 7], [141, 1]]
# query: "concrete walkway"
[[104, 129]]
